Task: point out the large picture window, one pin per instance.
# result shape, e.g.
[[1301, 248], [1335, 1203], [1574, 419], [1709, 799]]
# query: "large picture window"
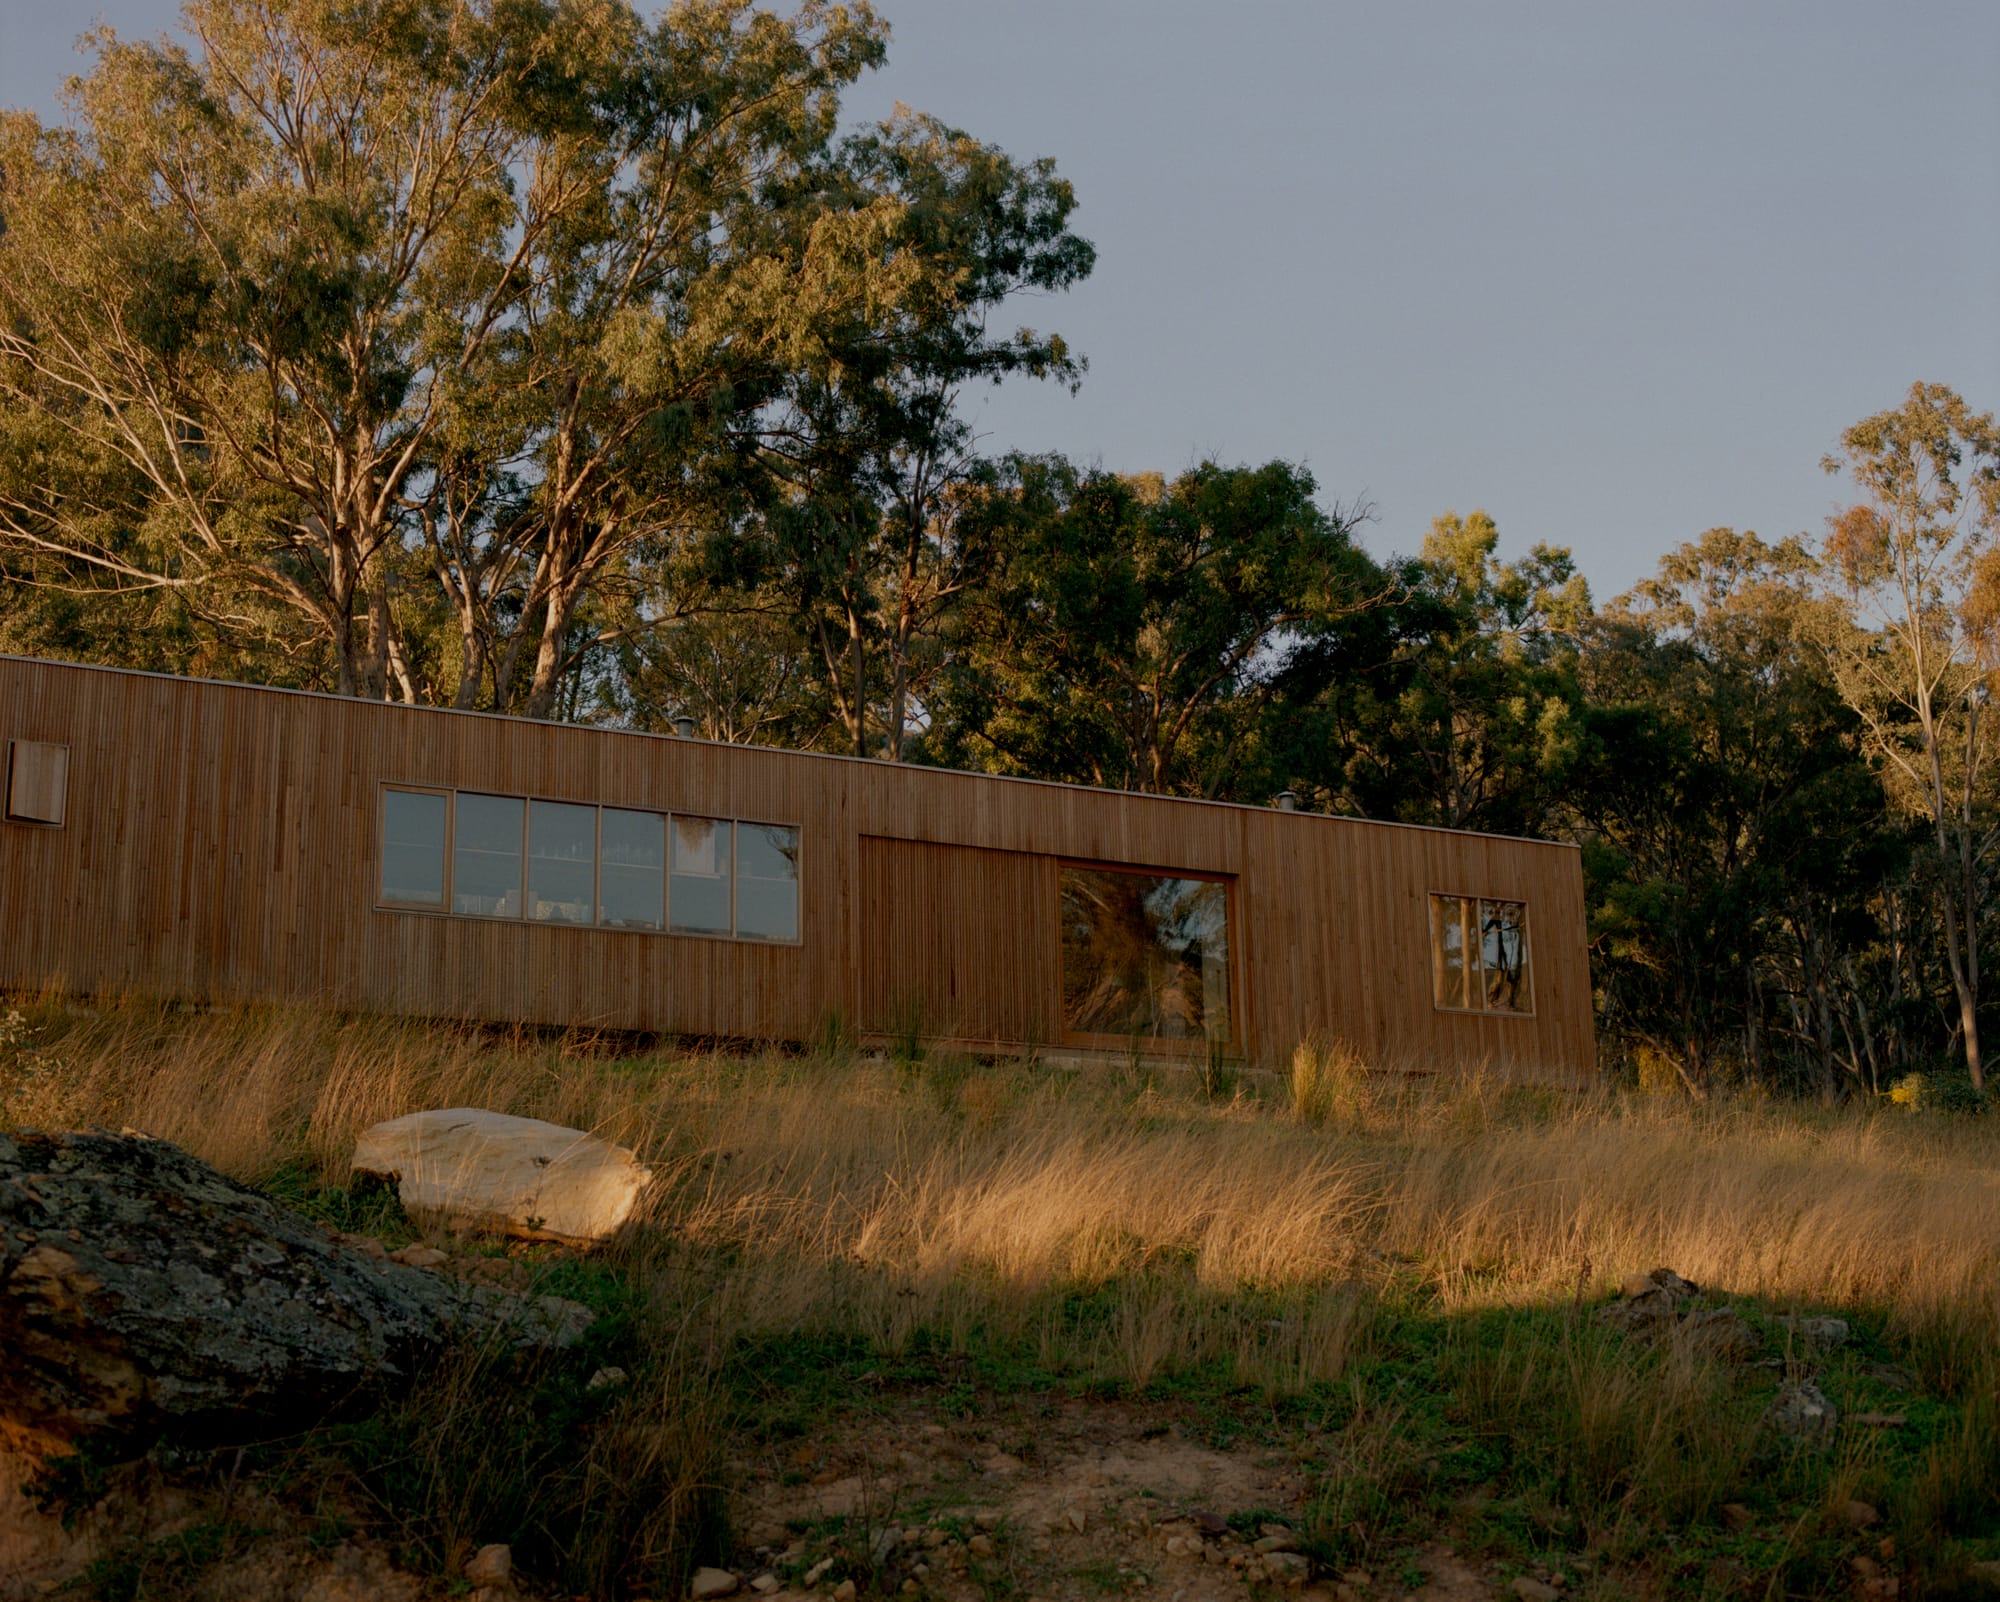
[[504, 856], [1144, 955], [1479, 955]]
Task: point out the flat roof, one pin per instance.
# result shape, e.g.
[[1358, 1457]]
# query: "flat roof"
[[781, 750]]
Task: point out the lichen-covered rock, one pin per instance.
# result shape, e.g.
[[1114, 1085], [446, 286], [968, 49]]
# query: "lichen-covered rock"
[[518, 1176], [139, 1288], [1803, 1411]]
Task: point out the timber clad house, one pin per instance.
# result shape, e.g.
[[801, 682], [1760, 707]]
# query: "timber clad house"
[[225, 842]]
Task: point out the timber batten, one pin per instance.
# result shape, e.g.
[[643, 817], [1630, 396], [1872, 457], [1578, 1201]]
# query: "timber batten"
[[224, 841]]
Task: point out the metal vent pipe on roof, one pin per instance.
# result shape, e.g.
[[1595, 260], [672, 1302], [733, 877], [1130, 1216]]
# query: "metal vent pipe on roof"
[[1288, 800], [684, 726]]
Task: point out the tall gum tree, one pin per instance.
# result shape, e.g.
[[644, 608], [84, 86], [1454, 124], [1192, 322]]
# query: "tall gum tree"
[[244, 278], [352, 293], [1912, 641]]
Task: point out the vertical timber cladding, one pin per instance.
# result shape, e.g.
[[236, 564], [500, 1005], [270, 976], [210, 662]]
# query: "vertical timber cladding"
[[957, 942], [221, 841], [1339, 914]]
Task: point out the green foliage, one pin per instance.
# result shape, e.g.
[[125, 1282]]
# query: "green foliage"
[[1134, 633]]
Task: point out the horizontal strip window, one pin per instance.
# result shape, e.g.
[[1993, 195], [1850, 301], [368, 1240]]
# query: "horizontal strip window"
[[1479, 955], [565, 862]]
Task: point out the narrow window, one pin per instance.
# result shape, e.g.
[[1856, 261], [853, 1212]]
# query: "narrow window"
[[486, 856], [1504, 955], [632, 883], [413, 835], [767, 882], [562, 862], [698, 896], [1453, 956], [1479, 955], [1144, 955]]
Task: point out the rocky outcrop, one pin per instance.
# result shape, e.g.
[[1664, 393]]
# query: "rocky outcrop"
[[481, 1170], [141, 1289]]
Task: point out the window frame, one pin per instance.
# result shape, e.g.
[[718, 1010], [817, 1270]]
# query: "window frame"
[[1431, 952], [450, 793], [1158, 1045], [442, 907]]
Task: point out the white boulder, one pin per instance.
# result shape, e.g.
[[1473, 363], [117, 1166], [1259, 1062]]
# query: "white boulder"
[[520, 1176]]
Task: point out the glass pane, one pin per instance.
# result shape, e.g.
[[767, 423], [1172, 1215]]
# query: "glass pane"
[[1503, 929], [767, 882], [1144, 955], [486, 856], [632, 882], [1450, 947], [698, 900], [413, 848], [562, 862]]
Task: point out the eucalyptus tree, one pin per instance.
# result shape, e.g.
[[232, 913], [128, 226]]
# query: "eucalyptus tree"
[[349, 300], [1736, 835], [867, 483], [1136, 631], [1916, 562]]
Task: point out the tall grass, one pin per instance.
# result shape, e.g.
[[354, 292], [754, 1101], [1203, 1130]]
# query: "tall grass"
[[1135, 1226], [832, 1170]]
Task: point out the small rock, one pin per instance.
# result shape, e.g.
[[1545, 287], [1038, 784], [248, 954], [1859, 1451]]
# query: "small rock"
[[1285, 1542], [988, 1518], [1859, 1515], [1211, 1523], [1284, 1565], [766, 1583], [1180, 1546], [1077, 1518], [981, 1545], [1720, 1332], [1660, 1282], [605, 1378], [1802, 1410], [1820, 1333], [817, 1572], [491, 1565], [1529, 1589], [708, 1584], [844, 1592], [420, 1257], [887, 1540]]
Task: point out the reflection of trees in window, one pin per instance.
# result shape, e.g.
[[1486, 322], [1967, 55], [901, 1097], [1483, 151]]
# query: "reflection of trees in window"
[[1479, 954], [1144, 955]]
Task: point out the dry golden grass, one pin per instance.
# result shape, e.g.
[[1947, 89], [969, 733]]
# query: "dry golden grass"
[[849, 1181], [1310, 1233]]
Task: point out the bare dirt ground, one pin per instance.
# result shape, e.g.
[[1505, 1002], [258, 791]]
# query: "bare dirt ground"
[[1058, 1499]]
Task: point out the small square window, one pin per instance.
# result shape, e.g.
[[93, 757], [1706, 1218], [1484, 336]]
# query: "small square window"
[[37, 781], [1479, 955]]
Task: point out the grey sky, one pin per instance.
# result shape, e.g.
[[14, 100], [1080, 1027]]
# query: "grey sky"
[[1615, 272]]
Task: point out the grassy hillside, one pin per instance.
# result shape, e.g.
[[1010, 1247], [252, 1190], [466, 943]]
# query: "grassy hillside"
[[1384, 1292]]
